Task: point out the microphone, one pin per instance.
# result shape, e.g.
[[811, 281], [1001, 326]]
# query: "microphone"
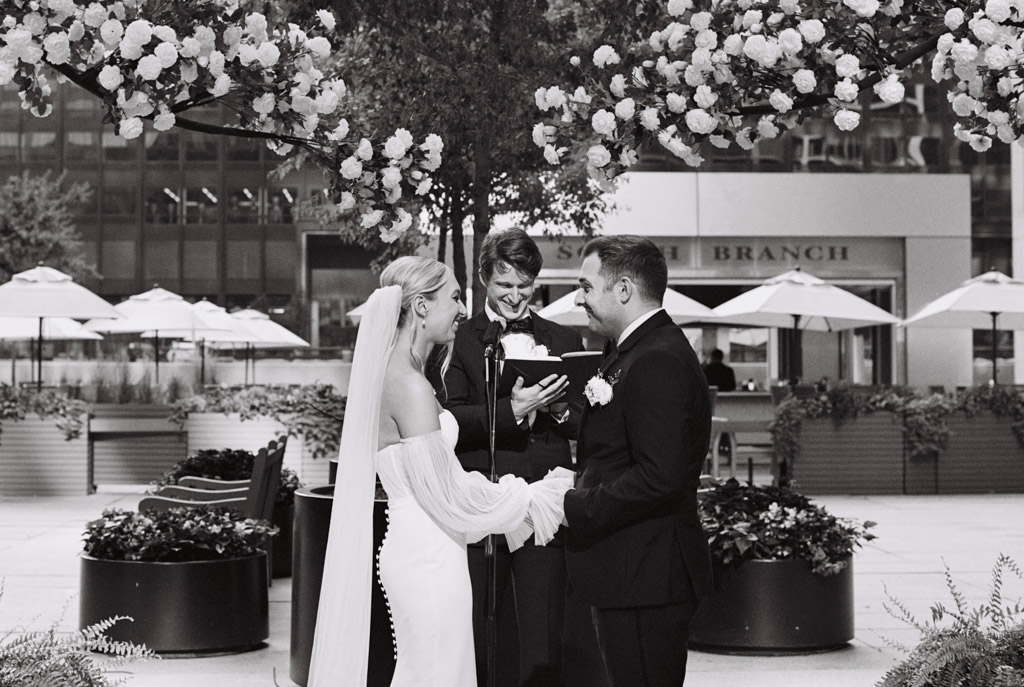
[[492, 334]]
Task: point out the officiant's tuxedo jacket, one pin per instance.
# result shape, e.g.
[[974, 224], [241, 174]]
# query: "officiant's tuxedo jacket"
[[634, 535], [522, 451]]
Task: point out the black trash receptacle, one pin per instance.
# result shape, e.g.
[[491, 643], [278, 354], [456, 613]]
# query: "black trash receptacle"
[[309, 548]]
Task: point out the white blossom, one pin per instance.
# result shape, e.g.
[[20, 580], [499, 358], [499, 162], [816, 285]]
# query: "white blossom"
[[603, 122], [804, 81], [605, 55], [326, 18], [846, 120], [700, 122], [598, 156], [625, 109], [130, 128]]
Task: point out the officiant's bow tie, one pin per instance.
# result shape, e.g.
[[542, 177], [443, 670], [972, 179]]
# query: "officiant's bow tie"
[[524, 324]]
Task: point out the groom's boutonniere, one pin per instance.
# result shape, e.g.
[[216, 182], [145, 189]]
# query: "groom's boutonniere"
[[599, 389]]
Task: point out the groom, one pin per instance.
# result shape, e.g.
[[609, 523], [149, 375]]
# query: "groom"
[[635, 549]]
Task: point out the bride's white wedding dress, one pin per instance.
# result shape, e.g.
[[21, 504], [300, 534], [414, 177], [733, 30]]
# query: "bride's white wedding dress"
[[434, 509]]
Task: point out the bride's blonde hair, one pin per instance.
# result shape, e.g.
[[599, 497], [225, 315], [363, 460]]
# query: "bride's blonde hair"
[[417, 275]]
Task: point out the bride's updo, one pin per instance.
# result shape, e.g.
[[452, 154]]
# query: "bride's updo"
[[416, 275]]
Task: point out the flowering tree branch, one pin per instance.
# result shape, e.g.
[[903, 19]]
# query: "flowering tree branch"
[[730, 72], [151, 61]]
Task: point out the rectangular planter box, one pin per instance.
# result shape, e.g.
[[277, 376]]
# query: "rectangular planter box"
[[982, 456], [133, 443], [862, 455], [36, 460], [220, 431]]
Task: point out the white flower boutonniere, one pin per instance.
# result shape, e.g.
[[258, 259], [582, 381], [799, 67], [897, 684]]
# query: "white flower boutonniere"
[[599, 389]]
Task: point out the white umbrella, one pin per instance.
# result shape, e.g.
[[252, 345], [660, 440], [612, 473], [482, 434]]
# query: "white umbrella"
[[990, 300], [356, 313], [43, 292], [150, 313], [269, 334], [54, 329], [679, 307], [798, 300]]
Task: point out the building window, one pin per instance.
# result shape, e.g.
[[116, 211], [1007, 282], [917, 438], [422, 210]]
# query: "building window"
[[243, 259], [281, 260], [39, 146], [201, 260], [242, 149], [9, 145], [80, 146], [200, 147], [243, 205], [163, 205], [118, 259], [201, 205], [281, 205], [160, 260], [117, 149], [120, 201], [162, 146]]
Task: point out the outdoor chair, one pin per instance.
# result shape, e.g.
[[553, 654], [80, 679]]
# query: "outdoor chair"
[[253, 498]]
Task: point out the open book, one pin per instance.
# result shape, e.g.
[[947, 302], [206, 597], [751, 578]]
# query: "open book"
[[579, 366]]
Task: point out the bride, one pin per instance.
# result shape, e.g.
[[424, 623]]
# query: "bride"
[[395, 427]]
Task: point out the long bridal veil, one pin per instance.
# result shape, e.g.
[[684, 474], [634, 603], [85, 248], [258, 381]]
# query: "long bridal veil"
[[342, 640]]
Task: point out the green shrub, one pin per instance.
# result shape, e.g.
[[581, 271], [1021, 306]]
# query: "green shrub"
[[193, 533], [982, 646], [747, 522]]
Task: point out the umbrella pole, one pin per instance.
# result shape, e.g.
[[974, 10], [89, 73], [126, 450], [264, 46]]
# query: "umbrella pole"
[[202, 363], [794, 354], [994, 347], [39, 357], [156, 355]]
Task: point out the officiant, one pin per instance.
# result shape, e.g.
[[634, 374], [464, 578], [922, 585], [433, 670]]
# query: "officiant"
[[530, 441]]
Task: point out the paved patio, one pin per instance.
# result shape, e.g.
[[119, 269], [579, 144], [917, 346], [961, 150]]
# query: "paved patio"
[[40, 539]]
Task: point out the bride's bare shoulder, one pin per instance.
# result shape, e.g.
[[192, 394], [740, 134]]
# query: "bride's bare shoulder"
[[409, 400]]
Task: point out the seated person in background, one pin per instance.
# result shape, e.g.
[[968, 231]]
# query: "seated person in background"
[[718, 373]]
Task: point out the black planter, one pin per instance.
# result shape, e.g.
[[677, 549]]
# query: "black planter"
[[775, 607], [179, 607], [281, 546], [309, 548]]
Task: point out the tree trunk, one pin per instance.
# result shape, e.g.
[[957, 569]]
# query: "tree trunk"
[[457, 217], [481, 203]]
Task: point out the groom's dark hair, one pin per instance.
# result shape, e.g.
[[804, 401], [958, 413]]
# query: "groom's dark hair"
[[634, 257]]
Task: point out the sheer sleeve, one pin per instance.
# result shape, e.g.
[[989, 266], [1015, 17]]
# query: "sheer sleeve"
[[468, 505]]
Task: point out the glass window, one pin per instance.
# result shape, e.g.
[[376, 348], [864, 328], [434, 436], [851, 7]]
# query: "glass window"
[[199, 146], [9, 99], [243, 259], [80, 146], [39, 146], [201, 260], [9, 145], [118, 259], [80, 100], [243, 205], [117, 149], [201, 205], [245, 149], [281, 260], [160, 260], [281, 205], [120, 200], [162, 146], [163, 205]]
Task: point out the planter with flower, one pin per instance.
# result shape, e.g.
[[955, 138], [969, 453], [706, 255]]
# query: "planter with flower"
[[783, 572], [236, 464], [193, 579], [249, 417], [43, 448]]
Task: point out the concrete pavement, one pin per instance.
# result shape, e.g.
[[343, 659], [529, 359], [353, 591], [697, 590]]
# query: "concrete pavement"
[[40, 539]]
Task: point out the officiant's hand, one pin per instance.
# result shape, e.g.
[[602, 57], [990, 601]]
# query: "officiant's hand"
[[527, 399]]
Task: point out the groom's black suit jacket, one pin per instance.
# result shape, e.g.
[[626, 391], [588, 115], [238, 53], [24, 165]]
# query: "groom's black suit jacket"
[[527, 453], [634, 536]]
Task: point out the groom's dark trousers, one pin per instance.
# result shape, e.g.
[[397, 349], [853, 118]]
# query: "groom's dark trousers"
[[635, 549], [536, 574]]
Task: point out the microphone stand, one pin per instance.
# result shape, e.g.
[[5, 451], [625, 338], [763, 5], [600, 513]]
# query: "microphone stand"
[[492, 361]]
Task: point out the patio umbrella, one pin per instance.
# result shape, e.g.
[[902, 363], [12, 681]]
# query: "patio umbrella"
[[798, 300], [150, 313], [990, 300], [270, 334], [43, 292], [679, 307], [356, 313], [54, 329]]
